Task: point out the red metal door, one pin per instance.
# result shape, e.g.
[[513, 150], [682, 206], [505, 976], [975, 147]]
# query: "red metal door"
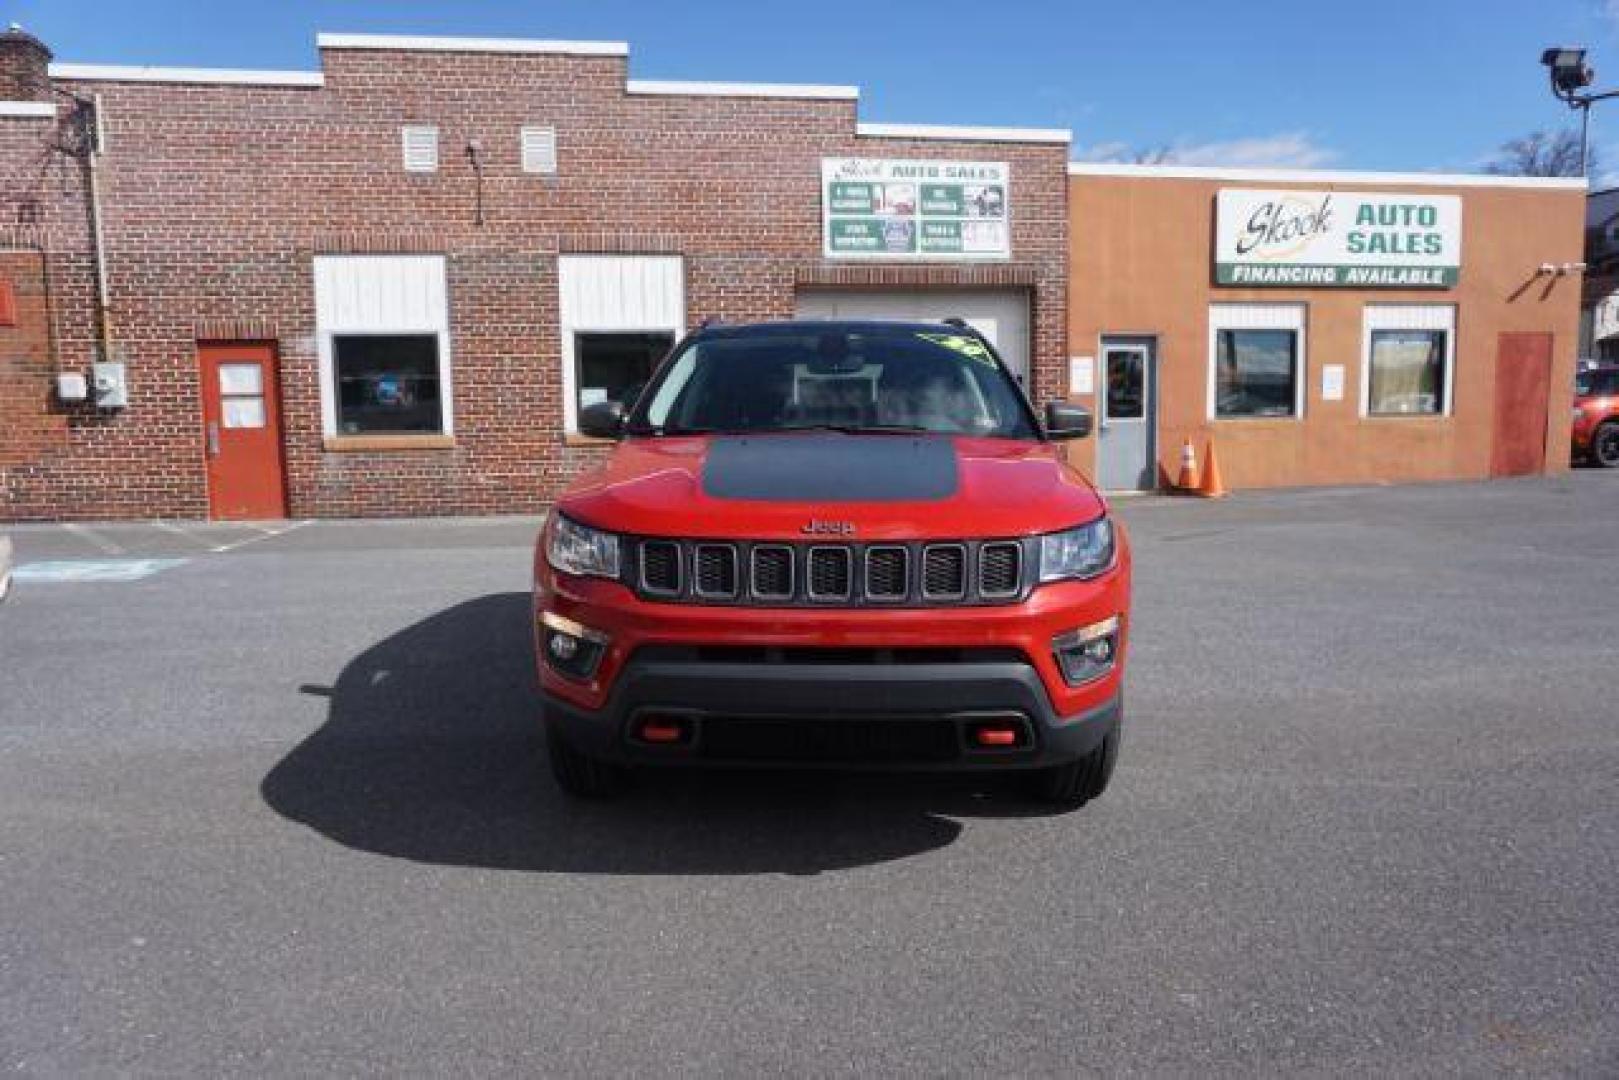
[[1523, 382], [241, 415]]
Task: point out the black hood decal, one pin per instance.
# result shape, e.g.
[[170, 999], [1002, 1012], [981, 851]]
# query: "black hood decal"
[[831, 467]]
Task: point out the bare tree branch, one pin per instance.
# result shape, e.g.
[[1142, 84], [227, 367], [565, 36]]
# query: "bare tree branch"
[[1542, 153]]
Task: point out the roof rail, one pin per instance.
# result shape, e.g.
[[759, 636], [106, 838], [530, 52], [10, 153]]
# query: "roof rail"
[[959, 323]]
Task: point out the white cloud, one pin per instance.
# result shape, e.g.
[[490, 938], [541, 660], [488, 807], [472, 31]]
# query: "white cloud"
[[1110, 152], [1284, 150], [1289, 150]]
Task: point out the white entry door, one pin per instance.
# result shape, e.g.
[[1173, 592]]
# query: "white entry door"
[[1126, 447], [1001, 315]]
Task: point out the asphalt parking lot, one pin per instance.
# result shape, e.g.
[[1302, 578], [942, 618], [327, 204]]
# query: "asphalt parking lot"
[[275, 803]]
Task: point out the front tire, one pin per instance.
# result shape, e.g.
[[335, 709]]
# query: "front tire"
[[1605, 445], [579, 774], [1077, 783]]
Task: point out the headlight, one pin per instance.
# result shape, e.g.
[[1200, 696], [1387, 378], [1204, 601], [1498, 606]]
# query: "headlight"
[[1078, 553], [578, 549]]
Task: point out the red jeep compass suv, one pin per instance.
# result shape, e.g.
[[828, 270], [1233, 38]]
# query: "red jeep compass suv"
[[1595, 431], [844, 544]]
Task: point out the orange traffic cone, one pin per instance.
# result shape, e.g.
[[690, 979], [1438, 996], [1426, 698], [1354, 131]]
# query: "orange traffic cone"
[[1211, 488], [1187, 480]]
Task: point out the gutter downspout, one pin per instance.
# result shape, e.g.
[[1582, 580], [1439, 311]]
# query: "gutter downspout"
[[92, 159]]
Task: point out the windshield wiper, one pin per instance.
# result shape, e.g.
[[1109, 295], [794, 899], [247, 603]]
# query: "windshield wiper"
[[676, 430], [862, 429]]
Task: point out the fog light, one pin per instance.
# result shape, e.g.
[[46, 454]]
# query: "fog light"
[[571, 649], [1088, 653]]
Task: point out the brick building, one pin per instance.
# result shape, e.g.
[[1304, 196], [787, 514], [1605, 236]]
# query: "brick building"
[[387, 286]]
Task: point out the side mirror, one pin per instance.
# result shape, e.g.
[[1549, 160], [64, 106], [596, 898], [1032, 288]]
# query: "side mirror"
[[603, 420], [1065, 421]]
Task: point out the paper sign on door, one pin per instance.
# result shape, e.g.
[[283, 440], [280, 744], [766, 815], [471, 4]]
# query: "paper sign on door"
[[1332, 382], [1081, 375]]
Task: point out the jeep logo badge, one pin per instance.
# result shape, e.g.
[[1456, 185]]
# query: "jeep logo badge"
[[817, 527]]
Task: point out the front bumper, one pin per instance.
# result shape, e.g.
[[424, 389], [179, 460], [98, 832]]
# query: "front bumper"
[[890, 688], [915, 717]]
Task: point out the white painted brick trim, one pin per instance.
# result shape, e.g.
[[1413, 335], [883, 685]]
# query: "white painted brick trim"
[[416, 43], [813, 91], [39, 109], [965, 134], [211, 76], [1321, 176]]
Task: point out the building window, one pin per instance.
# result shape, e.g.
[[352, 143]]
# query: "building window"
[[387, 383], [1126, 375], [420, 145], [1256, 361], [382, 324], [539, 149], [619, 315], [1256, 373], [1407, 360], [616, 366], [1407, 373]]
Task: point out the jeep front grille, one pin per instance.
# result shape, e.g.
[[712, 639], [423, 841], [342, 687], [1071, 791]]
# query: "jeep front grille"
[[776, 574], [888, 571], [831, 573], [944, 572], [1000, 569], [772, 575], [715, 577], [660, 567]]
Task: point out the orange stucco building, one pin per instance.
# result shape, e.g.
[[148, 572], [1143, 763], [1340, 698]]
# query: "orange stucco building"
[[1322, 327]]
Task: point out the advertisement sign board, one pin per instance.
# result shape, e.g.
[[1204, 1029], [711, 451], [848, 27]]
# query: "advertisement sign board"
[[938, 210], [1337, 238]]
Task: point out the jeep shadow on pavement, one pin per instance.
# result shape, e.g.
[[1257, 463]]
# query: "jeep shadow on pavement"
[[431, 752]]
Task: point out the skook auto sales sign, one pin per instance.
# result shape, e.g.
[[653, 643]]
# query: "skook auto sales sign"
[[1337, 238], [881, 209]]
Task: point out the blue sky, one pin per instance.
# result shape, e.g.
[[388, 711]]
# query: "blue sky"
[[1375, 84]]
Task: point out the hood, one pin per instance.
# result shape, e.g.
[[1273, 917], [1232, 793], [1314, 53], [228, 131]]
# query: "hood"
[[883, 487]]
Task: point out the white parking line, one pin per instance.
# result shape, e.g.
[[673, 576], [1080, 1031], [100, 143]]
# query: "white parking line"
[[75, 571], [268, 534], [106, 546], [179, 530]]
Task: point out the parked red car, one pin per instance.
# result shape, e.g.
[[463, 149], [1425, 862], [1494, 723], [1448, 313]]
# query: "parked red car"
[[1596, 415], [834, 544]]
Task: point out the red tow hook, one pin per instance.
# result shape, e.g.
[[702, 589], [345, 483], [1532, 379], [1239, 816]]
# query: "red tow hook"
[[995, 735], [662, 730]]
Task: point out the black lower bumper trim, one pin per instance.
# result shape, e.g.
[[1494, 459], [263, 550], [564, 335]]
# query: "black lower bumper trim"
[[875, 742], [911, 716]]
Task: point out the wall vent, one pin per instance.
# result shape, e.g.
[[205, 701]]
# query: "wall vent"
[[420, 144], [539, 150]]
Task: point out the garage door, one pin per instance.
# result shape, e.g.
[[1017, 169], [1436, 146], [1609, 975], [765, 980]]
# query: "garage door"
[[1002, 316]]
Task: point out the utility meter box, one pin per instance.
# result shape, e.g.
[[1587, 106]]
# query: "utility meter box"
[[72, 386], [112, 391]]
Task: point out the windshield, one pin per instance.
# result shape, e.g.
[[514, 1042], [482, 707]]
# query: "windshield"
[[866, 379]]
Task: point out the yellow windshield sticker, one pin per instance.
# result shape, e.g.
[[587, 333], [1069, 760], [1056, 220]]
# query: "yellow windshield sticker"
[[966, 345]]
